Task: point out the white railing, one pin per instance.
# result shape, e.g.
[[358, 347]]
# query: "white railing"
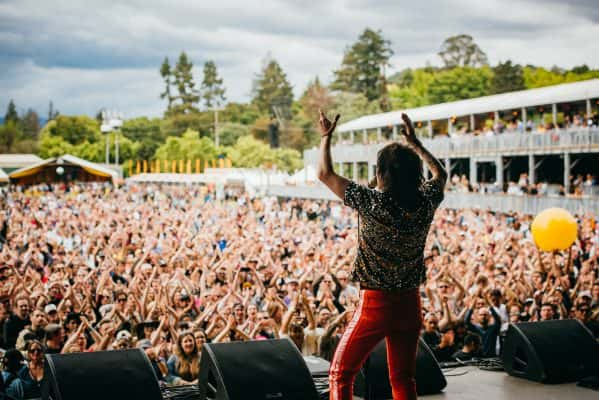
[[580, 140], [496, 202]]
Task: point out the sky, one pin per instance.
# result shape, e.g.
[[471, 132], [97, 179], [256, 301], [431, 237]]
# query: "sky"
[[94, 54]]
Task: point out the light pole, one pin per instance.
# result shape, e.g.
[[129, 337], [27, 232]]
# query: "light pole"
[[111, 122]]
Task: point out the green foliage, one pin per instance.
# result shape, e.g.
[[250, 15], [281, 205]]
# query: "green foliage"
[[249, 152], [212, 89], [535, 77], [241, 113], [189, 146], [507, 78], [316, 97], [460, 83], [74, 129], [146, 133], [362, 68], [352, 105], [53, 146], [413, 91], [177, 124], [230, 132], [272, 88], [9, 135], [462, 51], [11, 113]]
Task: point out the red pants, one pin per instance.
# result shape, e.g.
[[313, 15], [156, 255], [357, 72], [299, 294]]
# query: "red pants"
[[394, 316]]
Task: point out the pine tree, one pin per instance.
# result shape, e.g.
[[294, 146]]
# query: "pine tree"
[[52, 113], [11, 113], [185, 85], [272, 88], [166, 73], [212, 89], [363, 66], [30, 124]]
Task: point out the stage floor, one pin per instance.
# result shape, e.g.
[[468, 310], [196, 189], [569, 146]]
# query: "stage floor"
[[476, 384]]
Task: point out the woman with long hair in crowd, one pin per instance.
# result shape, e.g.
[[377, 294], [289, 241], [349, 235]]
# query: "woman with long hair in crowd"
[[184, 364], [393, 222], [32, 373]]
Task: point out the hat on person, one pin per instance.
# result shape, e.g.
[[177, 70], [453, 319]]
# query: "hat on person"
[[123, 335], [585, 293], [143, 344], [291, 280], [529, 300], [50, 308]]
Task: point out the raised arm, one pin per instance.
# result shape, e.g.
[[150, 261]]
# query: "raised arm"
[[326, 173], [433, 164]]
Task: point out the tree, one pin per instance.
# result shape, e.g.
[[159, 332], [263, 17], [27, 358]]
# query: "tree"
[[462, 51], [507, 78], [212, 89], [460, 83], [185, 85], [30, 124], [316, 97], [188, 147], [11, 113], [230, 132], [249, 152], [9, 135], [52, 113], [146, 133], [413, 91], [74, 129], [272, 88], [167, 75], [363, 66]]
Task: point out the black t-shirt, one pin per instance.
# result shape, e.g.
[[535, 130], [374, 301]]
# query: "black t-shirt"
[[12, 327], [462, 356], [432, 339]]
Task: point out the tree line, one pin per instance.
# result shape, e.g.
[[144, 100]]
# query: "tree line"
[[360, 86]]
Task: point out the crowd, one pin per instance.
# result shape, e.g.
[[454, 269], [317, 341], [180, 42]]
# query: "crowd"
[[168, 268], [579, 186]]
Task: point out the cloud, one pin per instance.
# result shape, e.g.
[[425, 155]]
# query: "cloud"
[[86, 55]]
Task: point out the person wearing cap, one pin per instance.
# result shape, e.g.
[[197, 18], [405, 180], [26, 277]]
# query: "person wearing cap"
[[52, 313]]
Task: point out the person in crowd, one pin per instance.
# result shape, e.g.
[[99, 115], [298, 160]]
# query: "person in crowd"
[[12, 387], [487, 325], [32, 373], [184, 364], [470, 350], [17, 321]]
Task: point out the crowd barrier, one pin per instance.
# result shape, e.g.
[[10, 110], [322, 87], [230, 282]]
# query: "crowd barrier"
[[496, 202]]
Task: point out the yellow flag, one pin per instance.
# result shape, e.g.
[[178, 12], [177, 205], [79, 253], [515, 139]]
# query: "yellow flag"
[[165, 165], [174, 166], [206, 165], [221, 163], [181, 166], [229, 163], [188, 166], [197, 165], [130, 167], [157, 166], [145, 166], [213, 163], [137, 168]]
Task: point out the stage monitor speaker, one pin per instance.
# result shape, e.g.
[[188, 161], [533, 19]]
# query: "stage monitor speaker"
[[102, 375], [372, 382], [260, 370], [550, 351]]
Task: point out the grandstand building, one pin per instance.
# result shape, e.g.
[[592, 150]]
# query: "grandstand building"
[[548, 134]]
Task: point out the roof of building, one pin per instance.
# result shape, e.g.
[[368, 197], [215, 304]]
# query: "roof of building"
[[563, 93], [89, 166], [3, 176], [18, 160]]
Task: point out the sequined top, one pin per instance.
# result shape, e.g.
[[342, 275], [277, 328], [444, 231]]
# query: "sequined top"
[[391, 240]]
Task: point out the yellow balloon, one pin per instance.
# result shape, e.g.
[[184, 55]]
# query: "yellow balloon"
[[554, 229]]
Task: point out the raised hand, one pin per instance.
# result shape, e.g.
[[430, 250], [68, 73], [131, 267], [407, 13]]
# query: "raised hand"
[[326, 126], [408, 132]]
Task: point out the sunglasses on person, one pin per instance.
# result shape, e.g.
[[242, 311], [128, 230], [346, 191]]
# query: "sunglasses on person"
[[121, 300], [36, 350]]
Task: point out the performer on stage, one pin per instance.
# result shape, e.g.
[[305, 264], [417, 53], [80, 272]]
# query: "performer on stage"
[[393, 222]]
